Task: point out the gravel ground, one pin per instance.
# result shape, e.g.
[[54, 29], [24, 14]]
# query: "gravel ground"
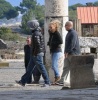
[[11, 91]]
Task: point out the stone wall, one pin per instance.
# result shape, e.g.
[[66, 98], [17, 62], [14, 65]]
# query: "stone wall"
[[13, 50], [3, 45], [87, 43]]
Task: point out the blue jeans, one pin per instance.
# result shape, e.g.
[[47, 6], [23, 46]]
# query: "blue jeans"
[[36, 61], [36, 72], [55, 63]]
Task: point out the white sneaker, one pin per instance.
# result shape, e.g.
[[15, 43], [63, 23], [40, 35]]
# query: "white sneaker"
[[45, 85]]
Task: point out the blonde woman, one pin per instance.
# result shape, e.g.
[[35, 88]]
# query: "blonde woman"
[[55, 41]]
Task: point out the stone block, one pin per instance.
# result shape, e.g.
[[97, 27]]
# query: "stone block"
[[4, 64], [3, 45], [81, 71], [95, 69]]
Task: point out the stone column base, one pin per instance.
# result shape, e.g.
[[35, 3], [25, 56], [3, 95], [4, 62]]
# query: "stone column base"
[[81, 72], [4, 64]]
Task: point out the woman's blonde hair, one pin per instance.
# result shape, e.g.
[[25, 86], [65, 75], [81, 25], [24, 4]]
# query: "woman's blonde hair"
[[57, 23]]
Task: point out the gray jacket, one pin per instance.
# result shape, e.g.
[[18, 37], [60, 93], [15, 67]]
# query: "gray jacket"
[[72, 43]]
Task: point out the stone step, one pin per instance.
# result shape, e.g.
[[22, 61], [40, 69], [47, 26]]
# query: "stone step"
[[4, 64], [81, 71]]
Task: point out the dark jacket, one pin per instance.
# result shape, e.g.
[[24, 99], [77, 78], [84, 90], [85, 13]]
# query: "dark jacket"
[[27, 53], [72, 43], [55, 41], [37, 42]]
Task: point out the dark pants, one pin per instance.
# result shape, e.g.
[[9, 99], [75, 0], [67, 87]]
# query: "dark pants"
[[36, 73], [35, 61], [30, 78]]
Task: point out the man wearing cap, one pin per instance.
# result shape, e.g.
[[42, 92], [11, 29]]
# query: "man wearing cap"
[[37, 52]]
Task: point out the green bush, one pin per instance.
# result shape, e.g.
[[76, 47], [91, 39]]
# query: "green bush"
[[7, 34]]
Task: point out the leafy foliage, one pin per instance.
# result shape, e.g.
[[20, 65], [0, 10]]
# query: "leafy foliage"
[[6, 34], [72, 10], [39, 14], [22, 10], [95, 3], [26, 17], [12, 13], [30, 4], [34, 11], [7, 10], [74, 7]]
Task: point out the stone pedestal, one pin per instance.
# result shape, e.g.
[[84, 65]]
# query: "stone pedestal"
[[3, 45], [81, 72], [55, 10], [95, 70], [4, 64]]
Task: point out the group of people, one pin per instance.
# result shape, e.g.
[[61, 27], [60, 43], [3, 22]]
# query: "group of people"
[[35, 50]]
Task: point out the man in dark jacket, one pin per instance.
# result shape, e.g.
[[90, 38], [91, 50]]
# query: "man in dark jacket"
[[27, 55], [27, 49], [71, 48], [37, 52]]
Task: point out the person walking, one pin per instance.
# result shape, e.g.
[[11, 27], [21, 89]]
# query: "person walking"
[[27, 49], [71, 48], [55, 41], [37, 52], [27, 54]]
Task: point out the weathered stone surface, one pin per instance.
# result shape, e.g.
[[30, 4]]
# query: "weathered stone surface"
[[3, 45], [81, 71], [95, 69], [88, 42], [56, 8], [4, 64]]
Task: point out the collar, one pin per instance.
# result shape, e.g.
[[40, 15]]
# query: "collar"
[[35, 30], [70, 30]]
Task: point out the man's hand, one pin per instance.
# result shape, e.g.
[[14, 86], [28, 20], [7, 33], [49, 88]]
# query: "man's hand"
[[66, 55]]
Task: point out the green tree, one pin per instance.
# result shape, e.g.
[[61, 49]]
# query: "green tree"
[[74, 7], [39, 14], [72, 14], [30, 4], [22, 10], [73, 10], [12, 13], [95, 3], [34, 11], [7, 34], [26, 17], [7, 10]]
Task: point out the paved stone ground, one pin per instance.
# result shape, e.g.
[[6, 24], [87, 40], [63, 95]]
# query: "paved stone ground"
[[10, 91]]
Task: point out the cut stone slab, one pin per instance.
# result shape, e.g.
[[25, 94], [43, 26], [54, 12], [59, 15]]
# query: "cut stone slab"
[[3, 45], [4, 64], [81, 72]]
